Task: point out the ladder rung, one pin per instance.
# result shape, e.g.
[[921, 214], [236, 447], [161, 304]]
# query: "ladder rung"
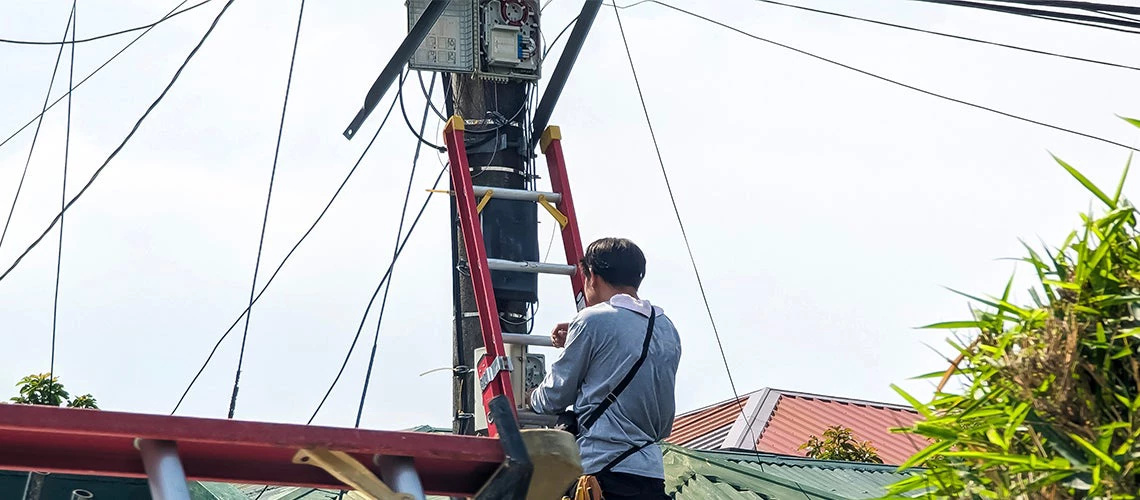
[[531, 267], [516, 194], [525, 339]]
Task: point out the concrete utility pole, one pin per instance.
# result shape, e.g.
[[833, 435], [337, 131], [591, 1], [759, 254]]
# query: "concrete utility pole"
[[495, 163]]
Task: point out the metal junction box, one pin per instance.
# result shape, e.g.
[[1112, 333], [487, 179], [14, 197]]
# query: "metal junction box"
[[527, 372], [493, 39]]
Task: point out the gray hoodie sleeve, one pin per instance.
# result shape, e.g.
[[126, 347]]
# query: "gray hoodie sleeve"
[[560, 388]]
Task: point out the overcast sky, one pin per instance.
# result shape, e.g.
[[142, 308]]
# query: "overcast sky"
[[827, 210]]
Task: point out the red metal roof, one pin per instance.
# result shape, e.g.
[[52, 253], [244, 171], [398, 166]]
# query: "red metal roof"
[[706, 428], [798, 416], [784, 420]]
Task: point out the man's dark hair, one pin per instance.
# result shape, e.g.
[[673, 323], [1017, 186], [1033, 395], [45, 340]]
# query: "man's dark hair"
[[616, 260]]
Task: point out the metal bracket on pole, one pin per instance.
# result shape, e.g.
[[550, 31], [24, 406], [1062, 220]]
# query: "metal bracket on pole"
[[164, 471], [349, 471], [403, 53], [565, 64], [499, 364]]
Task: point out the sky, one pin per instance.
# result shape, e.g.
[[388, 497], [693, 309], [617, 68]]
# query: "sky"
[[828, 211]]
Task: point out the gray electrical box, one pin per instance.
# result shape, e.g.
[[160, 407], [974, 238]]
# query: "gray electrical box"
[[451, 44], [510, 39], [527, 372], [493, 39]]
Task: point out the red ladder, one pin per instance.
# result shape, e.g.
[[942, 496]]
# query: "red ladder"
[[494, 368]]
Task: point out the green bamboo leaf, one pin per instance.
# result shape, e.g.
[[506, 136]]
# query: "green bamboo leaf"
[[1062, 284], [995, 438], [926, 454], [950, 325], [1102, 456], [919, 407], [936, 431], [1085, 182], [1133, 121], [988, 456]]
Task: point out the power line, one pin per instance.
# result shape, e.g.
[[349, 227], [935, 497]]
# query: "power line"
[[420, 76], [893, 82], [1068, 4], [408, 121], [950, 35], [395, 254], [36, 136], [1065, 17], [281, 265], [1119, 16], [268, 199], [88, 77], [108, 35], [121, 145], [677, 213], [63, 193], [383, 280]]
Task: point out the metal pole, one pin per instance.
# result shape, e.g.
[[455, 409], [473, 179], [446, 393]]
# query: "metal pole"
[[163, 469], [390, 72], [81, 495], [399, 473], [562, 70]]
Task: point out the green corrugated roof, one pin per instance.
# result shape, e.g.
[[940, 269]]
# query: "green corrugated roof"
[[61, 485], [692, 474]]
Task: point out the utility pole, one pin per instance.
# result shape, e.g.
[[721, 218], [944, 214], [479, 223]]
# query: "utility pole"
[[497, 159]]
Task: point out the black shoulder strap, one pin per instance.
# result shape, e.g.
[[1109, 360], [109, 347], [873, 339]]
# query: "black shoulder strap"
[[628, 453], [612, 396]]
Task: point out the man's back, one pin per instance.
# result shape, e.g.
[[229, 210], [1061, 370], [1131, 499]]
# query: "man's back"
[[603, 344]]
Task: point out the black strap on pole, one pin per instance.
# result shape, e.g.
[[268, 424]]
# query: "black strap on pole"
[[403, 54], [562, 70]]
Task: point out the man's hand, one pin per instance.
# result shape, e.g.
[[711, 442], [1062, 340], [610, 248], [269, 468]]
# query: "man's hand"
[[558, 336]]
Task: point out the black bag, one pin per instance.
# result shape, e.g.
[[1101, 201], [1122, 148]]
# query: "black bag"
[[567, 421]]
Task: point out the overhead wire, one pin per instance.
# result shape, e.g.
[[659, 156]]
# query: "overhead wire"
[[420, 76], [395, 254], [284, 260], [121, 145], [88, 77], [408, 121], [63, 194], [950, 35], [35, 137], [167, 17], [680, 221], [889, 80], [383, 280], [265, 217], [1076, 5], [1065, 17]]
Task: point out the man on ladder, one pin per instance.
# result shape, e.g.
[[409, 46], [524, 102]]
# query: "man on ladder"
[[617, 372]]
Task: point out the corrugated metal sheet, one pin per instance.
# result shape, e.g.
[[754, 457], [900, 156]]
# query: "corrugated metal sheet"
[[861, 482], [694, 474], [797, 417], [706, 428]]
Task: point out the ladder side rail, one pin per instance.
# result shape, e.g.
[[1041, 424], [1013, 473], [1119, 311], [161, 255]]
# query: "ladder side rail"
[[551, 144], [496, 357]]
